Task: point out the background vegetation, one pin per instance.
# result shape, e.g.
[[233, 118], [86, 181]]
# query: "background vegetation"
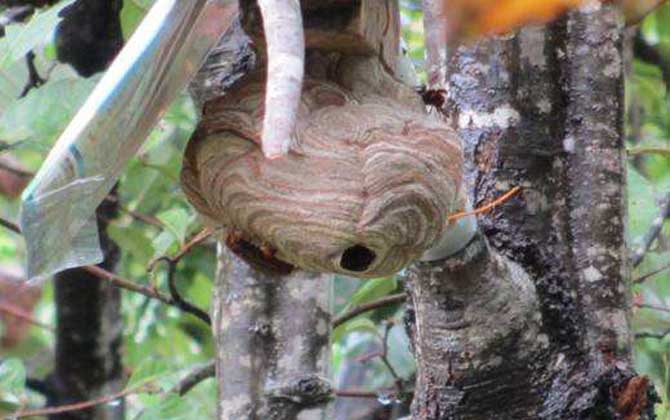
[[161, 344]]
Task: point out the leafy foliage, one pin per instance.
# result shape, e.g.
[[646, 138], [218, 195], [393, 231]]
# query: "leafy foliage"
[[648, 132]]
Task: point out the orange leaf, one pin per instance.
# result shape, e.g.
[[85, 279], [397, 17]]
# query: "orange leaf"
[[472, 18], [469, 18], [513, 13]]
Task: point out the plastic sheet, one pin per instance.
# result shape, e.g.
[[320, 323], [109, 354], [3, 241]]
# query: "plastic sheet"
[[166, 51]]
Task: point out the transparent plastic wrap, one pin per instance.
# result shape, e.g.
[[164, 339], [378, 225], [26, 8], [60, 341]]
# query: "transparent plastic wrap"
[[166, 51]]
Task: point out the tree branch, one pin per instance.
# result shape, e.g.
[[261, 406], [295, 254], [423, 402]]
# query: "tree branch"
[[193, 378], [379, 303], [174, 299], [650, 274], [10, 225], [77, 406]]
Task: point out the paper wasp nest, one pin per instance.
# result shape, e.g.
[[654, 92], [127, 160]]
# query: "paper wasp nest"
[[365, 189]]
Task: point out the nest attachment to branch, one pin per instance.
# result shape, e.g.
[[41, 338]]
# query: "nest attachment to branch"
[[365, 189]]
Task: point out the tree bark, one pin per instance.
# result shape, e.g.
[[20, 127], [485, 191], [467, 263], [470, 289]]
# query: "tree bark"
[[88, 361], [543, 110], [272, 342]]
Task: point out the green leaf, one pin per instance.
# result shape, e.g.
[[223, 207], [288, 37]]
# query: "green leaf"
[[150, 370], [177, 222], [133, 241], [20, 39], [163, 242], [356, 324], [374, 289], [44, 113], [173, 407], [12, 380]]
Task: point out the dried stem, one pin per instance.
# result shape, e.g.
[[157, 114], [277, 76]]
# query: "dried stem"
[[486, 207]]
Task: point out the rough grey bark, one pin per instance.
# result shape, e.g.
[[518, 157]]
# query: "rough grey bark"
[[272, 342], [542, 110], [88, 361]]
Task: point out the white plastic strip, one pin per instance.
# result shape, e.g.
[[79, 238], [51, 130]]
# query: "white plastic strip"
[[158, 61]]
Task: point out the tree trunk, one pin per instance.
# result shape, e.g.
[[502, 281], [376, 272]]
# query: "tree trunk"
[[88, 361], [89, 337], [535, 324], [272, 342]]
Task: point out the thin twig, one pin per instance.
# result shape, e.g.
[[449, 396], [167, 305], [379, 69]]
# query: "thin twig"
[[150, 220], [397, 380], [148, 291], [653, 232], [10, 225], [650, 274], [659, 335], [194, 377], [176, 298], [355, 393], [77, 406], [652, 306], [15, 171], [17, 312], [359, 309], [122, 283], [663, 151], [199, 238]]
